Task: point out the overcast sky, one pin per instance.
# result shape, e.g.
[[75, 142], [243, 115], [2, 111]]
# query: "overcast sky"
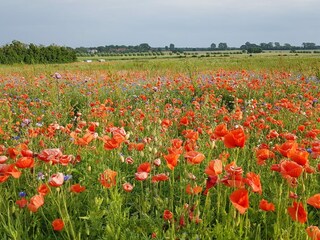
[[185, 23]]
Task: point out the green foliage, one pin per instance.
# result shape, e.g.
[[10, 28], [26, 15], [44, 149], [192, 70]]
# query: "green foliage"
[[228, 101], [18, 52], [254, 50]]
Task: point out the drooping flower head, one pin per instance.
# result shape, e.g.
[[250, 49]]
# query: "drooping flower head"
[[108, 178], [240, 200]]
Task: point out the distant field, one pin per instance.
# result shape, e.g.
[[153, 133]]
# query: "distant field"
[[197, 54], [308, 64]]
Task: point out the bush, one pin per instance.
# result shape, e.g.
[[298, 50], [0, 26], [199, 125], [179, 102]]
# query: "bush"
[[18, 52]]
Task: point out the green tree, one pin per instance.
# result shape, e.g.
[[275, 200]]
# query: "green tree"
[[18, 52], [223, 46], [254, 49], [309, 45], [144, 47], [287, 46], [277, 45]]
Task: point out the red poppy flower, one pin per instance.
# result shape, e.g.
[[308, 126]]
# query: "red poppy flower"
[[25, 162], [315, 148], [127, 187], [235, 138], [3, 159], [210, 183], [108, 178], [159, 177], [182, 221], [118, 134], [313, 232], [64, 160], [167, 215], [272, 134], [253, 180], [93, 125], [129, 160], [166, 123], [48, 155], [264, 154], [309, 169], [240, 200], [43, 189], [141, 176], [157, 162], [266, 206], [35, 202], [184, 121], [26, 153], [190, 134], [190, 145], [293, 195], [301, 128], [214, 168], [193, 190], [2, 149], [288, 136], [176, 147], [312, 133], [176, 143], [144, 167], [300, 156], [314, 201], [22, 202], [139, 146], [82, 141], [11, 170], [77, 188], [6, 170], [275, 167], [234, 176], [297, 212], [194, 157], [57, 224], [110, 143], [290, 168], [13, 152], [56, 180], [172, 160], [220, 131], [286, 147], [3, 178], [173, 150]]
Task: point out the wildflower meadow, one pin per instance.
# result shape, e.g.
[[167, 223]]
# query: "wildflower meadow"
[[161, 149]]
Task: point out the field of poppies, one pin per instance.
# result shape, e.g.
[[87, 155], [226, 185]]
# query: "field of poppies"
[[174, 149]]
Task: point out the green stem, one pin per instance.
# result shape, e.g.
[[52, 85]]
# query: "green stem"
[[172, 204]]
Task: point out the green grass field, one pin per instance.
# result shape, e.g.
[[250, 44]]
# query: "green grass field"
[[197, 54], [303, 64]]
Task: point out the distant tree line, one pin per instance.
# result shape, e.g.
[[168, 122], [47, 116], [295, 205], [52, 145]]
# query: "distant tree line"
[[222, 46], [143, 47], [18, 52], [254, 48]]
